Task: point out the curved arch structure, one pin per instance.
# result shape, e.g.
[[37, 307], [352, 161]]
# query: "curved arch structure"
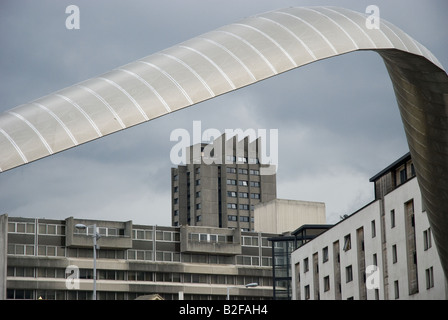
[[235, 56]]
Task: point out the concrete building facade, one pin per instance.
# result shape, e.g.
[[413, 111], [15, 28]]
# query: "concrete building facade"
[[282, 215], [383, 251], [220, 185], [51, 259]]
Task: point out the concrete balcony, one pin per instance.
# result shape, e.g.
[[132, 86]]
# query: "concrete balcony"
[[114, 235], [210, 240]]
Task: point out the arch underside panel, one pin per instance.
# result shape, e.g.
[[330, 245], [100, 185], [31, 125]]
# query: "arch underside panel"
[[233, 57]]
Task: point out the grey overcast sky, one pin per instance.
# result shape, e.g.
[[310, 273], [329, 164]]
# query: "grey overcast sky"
[[337, 119]]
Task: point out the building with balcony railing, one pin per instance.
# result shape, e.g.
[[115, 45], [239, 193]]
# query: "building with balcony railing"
[[44, 258]]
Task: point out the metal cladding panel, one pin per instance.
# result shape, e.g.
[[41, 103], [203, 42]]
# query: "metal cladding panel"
[[51, 130], [352, 27], [162, 83], [278, 27], [245, 54], [77, 122], [198, 59], [10, 153], [124, 109], [139, 96], [220, 68], [341, 40], [98, 111], [267, 47], [310, 37], [23, 135], [180, 76], [376, 36], [232, 57]]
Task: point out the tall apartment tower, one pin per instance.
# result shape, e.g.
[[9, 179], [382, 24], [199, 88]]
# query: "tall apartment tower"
[[220, 184]]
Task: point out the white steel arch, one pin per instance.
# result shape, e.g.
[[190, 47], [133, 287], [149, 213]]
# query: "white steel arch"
[[235, 56]]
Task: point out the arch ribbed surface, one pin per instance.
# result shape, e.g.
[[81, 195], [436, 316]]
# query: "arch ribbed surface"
[[235, 56]]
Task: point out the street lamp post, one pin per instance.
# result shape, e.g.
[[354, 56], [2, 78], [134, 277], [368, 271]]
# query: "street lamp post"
[[249, 285], [95, 237]]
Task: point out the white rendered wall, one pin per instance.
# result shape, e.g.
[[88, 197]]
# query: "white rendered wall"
[[395, 200]]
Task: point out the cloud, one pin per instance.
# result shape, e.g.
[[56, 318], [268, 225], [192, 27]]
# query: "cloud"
[[342, 189], [337, 119]]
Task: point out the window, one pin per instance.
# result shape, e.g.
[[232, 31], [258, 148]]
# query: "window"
[[45, 228], [230, 170], [403, 176], [326, 283], [253, 160], [244, 219], [244, 207], [427, 239], [255, 172], [198, 194], [255, 195], [325, 254], [306, 266], [243, 183], [231, 194], [373, 228], [198, 218], [231, 182], [230, 159], [392, 218], [242, 171], [231, 218], [307, 292], [231, 206], [429, 278], [176, 212], [198, 206], [198, 182], [394, 253], [348, 274], [396, 289], [22, 227], [255, 184], [347, 242], [176, 177], [246, 241], [377, 294], [243, 194], [176, 189]]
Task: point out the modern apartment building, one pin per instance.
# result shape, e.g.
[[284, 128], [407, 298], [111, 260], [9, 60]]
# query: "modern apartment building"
[[45, 258], [282, 247], [384, 250], [220, 185]]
